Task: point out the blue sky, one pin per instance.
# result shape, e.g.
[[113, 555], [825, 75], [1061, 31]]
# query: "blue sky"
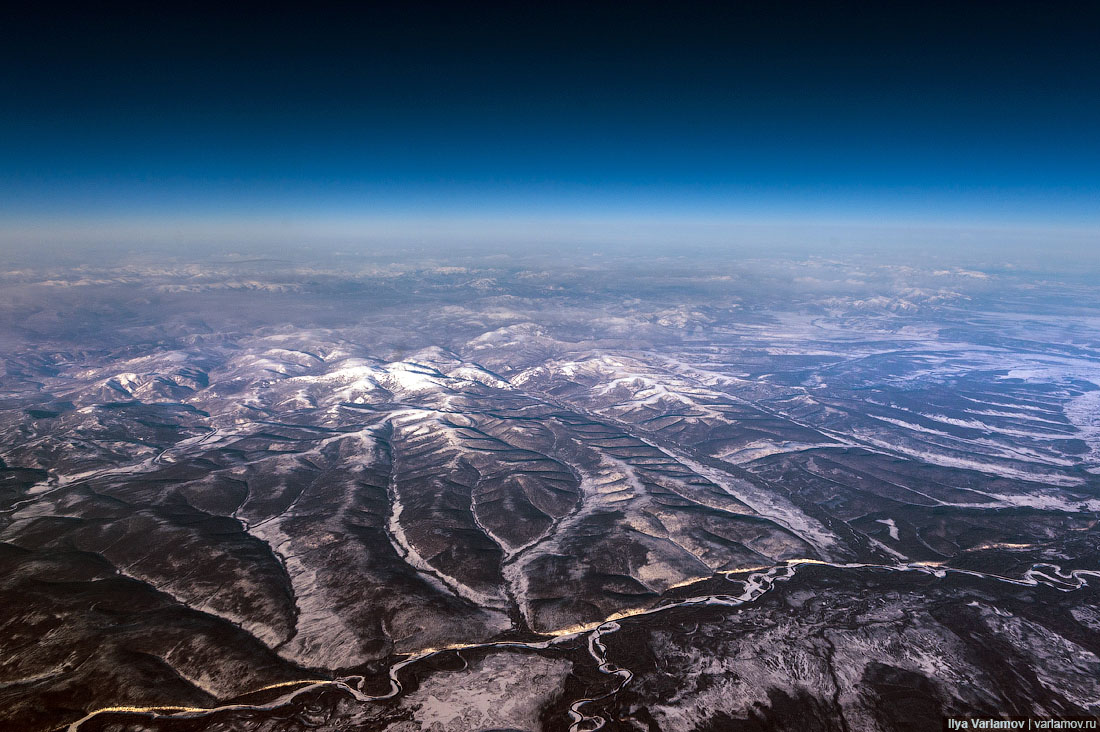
[[974, 113]]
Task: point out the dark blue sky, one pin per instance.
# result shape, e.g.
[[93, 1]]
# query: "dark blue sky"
[[901, 110]]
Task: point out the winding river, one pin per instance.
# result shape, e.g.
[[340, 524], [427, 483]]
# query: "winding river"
[[755, 584]]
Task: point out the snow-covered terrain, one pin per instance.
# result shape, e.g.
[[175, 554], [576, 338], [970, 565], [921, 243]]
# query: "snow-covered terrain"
[[314, 474]]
